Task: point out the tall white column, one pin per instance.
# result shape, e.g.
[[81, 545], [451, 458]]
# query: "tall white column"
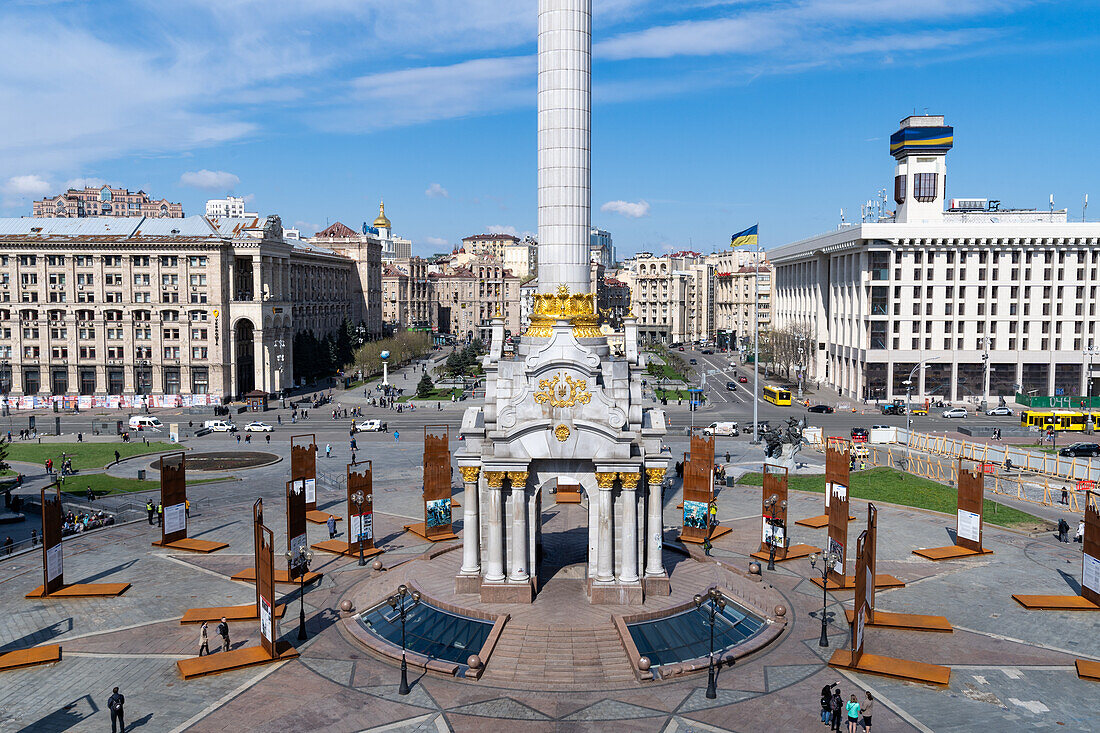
[[494, 565], [519, 526], [629, 570], [605, 559], [565, 144], [471, 535], [655, 526]]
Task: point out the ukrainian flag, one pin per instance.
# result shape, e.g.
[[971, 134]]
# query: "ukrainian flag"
[[746, 238]]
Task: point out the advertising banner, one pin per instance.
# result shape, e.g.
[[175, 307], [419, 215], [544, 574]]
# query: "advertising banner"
[[52, 561], [774, 517], [265, 579], [971, 499], [296, 543], [361, 514], [1090, 546], [173, 497], [437, 481], [837, 464], [303, 465]]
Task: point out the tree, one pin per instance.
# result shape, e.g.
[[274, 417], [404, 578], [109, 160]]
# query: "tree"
[[424, 387]]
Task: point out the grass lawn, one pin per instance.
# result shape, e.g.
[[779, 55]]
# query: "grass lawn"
[[83, 455], [672, 394], [896, 487], [436, 395], [102, 484], [664, 371]]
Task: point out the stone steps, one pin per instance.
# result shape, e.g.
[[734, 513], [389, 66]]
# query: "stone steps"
[[559, 658]]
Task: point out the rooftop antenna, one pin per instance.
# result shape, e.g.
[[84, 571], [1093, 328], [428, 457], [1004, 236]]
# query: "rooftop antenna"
[[842, 216], [1085, 208], [1052, 207]]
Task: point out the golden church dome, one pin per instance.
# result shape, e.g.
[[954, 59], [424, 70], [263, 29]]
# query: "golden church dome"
[[382, 221]]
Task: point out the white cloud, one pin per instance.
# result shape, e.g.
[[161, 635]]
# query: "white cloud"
[[507, 229], [28, 185], [629, 209], [436, 191], [437, 241], [209, 180]]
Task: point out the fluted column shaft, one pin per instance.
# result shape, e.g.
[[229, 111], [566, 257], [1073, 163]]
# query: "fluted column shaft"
[[471, 531], [605, 559]]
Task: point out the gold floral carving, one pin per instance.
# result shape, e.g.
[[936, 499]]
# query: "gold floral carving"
[[469, 473], [561, 432], [605, 479], [495, 479], [630, 480], [518, 478], [655, 475], [579, 309], [563, 393]]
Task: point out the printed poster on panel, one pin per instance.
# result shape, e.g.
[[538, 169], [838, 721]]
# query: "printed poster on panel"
[[175, 518], [970, 525]]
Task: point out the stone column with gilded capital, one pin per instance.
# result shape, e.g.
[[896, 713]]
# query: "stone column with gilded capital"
[[605, 535], [494, 521], [656, 525], [628, 573], [471, 535], [519, 572]]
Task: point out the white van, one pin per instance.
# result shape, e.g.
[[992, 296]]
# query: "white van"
[[220, 426], [145, 422], [721, 428]]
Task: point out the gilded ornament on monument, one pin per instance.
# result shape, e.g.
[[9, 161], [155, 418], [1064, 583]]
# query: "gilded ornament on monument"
[[495, 479], [518, 478], [630, 480], [655, 475], [563, 393], [469, 473], [605, 480], [561, 432]]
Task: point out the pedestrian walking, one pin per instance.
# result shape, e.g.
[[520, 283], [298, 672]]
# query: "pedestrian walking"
[[223, 632], [837, 710], [248, 438], [268, 438], [8, 545], [187, 508], [331, 527], [238, 439], [1065, 495], [151, 510], [115, 704], [34, 537], [827, 702], [865, 710], [328, 450], [1063, 530], [204, 640], [118, 456], [160, 514], [707, 545], [852, 709], [396, 436]]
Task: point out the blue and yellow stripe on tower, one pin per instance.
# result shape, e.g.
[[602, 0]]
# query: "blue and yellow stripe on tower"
[[922, 140], [746, 238]]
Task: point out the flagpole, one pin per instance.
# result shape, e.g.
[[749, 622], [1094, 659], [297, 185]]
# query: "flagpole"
[[756, 346]]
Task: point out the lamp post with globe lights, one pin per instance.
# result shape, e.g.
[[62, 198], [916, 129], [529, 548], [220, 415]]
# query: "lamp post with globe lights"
[[359, 498], [302, 558], [384, 356], [397, 603], [770, 505], [715, 602], [827, 560]]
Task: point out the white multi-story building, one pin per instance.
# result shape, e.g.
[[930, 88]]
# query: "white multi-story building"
[[672, 296], [990, 301], [231, 207], [601, 248], [736, 279]]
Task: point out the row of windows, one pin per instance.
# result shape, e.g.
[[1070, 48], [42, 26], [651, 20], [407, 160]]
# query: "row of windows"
[[108, 260], [112, 334], [29, 314], [87, 278], [949, 343], [143, 380], [113, 352], [145, 296], [984, 256]]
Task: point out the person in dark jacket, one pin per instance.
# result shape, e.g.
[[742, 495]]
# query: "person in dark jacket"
[[827, 703], [1063, 530], [114, 704], [837, 710]]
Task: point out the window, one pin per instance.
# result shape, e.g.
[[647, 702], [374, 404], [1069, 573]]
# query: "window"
[[85, 297], [173, 316], [169, 296], [60, 352], [140, 260], [112, 297], [170, 279], [115, 352], [199, 352], [172, 380], [114, 333], [30, 296], [112, 260], [143, 333], [200, 380], [171, 333], [86, 333], [924, 187], [83, 260], [899, 189], [143, 352], [169, 261], [27, 260], [31, 352], [28, 278], [87, 381], [59, 334], [141, 278], [87, 352], [198, 298], [55, 260], [57, 279], [143, 297], [198, 280], [171, 352], [198, 334], [197, 261], [87, 278], [198, 315]]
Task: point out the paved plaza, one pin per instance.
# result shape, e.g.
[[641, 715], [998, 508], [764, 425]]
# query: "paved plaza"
[[1012, 669]]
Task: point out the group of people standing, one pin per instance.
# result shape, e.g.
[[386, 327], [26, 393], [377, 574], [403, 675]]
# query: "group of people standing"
[[835, 710]]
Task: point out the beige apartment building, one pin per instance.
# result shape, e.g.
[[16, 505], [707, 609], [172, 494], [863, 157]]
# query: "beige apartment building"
[[407, 295], [126, 312], [672, 296], [468, 297], [519, 256], [736, 279], [105, 201], [366, 251]]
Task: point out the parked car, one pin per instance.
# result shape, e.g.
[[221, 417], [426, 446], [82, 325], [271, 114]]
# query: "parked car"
[[199, 432], [822, 409], [731, 386], [258, 427], [721, 428], [859, 435], [220, 426], [743, 379], [145, 422], [1081, 450], [708, 351], [693, 361], [1001, 410], [954, 412], [370, 426]]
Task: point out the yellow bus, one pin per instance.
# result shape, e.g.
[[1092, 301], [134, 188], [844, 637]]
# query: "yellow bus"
[[777, 396], [1058, 420]]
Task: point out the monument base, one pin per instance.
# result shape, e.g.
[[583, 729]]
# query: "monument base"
[[467, 584], [248, 656], [508, 592], [657, 585], [82, 590], [319, 517], [340, 547], [881, 581], [193, 545], [794, 552], [905, 621], [901, 669], [715, 532], [247, 612], [248, 575], [32, 657], [615, 593], [1055, 603], [420, 530], [952, 552], [1088, 670]]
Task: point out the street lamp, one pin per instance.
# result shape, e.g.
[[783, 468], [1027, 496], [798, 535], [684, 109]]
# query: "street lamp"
[[1090, 352], [909, 394], [801, 351], [397, 603], [773, 521], [827, 560], [716, 602], [303, 559], [358, 498]]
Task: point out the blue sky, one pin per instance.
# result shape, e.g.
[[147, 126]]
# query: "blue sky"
[[709, 115]]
